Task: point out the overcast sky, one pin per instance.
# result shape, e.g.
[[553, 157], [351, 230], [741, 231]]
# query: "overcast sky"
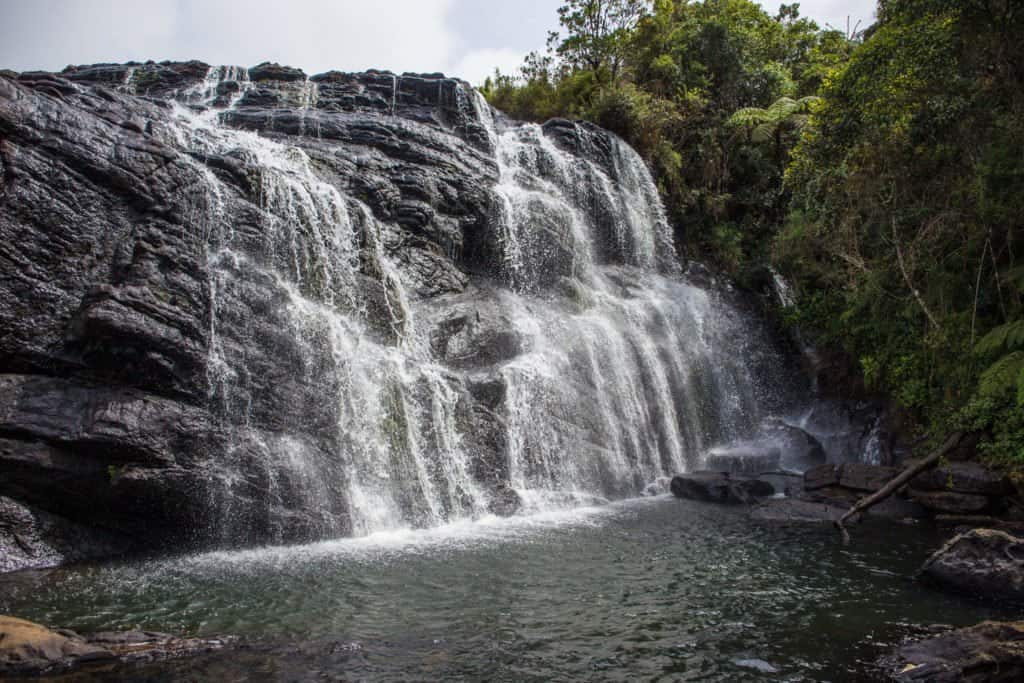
[[465, 38]]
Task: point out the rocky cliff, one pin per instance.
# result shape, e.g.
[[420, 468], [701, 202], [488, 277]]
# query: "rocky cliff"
[[243, 306]]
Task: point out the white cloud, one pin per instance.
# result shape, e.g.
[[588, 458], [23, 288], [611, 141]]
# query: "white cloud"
[[465, 38], [314, 35], [479, 64]]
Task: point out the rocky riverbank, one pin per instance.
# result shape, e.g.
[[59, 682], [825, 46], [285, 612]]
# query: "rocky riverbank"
[[30, 650]]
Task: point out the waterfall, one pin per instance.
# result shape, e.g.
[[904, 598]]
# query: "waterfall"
[[394, 455], [625, 374], [646, 372]]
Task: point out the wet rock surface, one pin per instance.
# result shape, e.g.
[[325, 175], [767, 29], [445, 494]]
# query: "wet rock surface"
[[243, 306], [751, 459], [720, 487], [982, 562], [987, 653], [107, 424], [28, 649]]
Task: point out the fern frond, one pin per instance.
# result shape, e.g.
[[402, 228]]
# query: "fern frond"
[[1007, 336], [1002, 375], [748, 116], [763, 132]]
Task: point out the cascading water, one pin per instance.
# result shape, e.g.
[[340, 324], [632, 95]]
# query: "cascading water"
[[633, 374], [395, 457], [626, 373]]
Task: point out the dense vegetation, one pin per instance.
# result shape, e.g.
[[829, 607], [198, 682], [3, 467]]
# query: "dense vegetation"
[[881, 171]]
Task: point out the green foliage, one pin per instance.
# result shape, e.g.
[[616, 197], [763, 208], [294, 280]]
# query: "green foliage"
[[882, 173], [675, 79], [908, 212]]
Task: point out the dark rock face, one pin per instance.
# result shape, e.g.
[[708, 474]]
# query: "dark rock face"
[[243, 305], [108, 415], [719, 487], [983, 562], [31, 538], [987, 653]]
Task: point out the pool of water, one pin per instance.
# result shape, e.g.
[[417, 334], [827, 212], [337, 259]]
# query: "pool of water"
[[651, 589]]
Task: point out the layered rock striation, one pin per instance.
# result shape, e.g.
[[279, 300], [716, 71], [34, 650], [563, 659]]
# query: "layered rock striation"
[[247, 305]]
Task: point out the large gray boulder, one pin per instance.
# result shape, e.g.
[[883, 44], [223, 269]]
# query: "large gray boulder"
[[983, 562]]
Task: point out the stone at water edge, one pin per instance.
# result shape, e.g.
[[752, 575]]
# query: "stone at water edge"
[[860, 477], [27, 647], [963, 477], [991, 652], [821, 476], [952, 503], [984, 562], [719, 487]]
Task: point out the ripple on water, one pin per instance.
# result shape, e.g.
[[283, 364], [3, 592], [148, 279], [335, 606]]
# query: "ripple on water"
[[640, 589]]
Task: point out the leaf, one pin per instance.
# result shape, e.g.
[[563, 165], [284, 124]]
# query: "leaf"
[[1002, 375], [1007, 336]]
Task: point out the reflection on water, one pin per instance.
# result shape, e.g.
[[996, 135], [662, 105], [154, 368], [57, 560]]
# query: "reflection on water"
[[653, 589]]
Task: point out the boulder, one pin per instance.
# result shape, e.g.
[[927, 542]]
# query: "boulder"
[[28, 649], [743, 459], [963, 477], [800, 450], [984, 562], [821, 476], [951, 503], [991, 652], [719, 487], [505, 501], [861, 477]]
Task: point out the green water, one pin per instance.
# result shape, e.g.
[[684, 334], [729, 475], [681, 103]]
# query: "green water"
[[652, 589]]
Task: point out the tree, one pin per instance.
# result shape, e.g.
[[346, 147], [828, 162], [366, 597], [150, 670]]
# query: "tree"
[[769, 125], [596, 32]]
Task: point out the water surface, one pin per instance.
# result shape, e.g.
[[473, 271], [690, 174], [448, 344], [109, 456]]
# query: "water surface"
[[649, 589]]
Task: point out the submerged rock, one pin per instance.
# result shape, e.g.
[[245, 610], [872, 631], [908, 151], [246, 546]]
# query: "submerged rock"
[[720, 487], [796, 510], [991, 652], [983, 562]]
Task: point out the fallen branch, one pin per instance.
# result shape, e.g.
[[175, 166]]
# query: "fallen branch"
[[897, 483]]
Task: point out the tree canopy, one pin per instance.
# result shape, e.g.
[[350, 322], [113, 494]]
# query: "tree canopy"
[[882, 171]]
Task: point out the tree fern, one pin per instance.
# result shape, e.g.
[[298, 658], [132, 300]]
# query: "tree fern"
[[1005, 374], [762, 124], [1007, 337]]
